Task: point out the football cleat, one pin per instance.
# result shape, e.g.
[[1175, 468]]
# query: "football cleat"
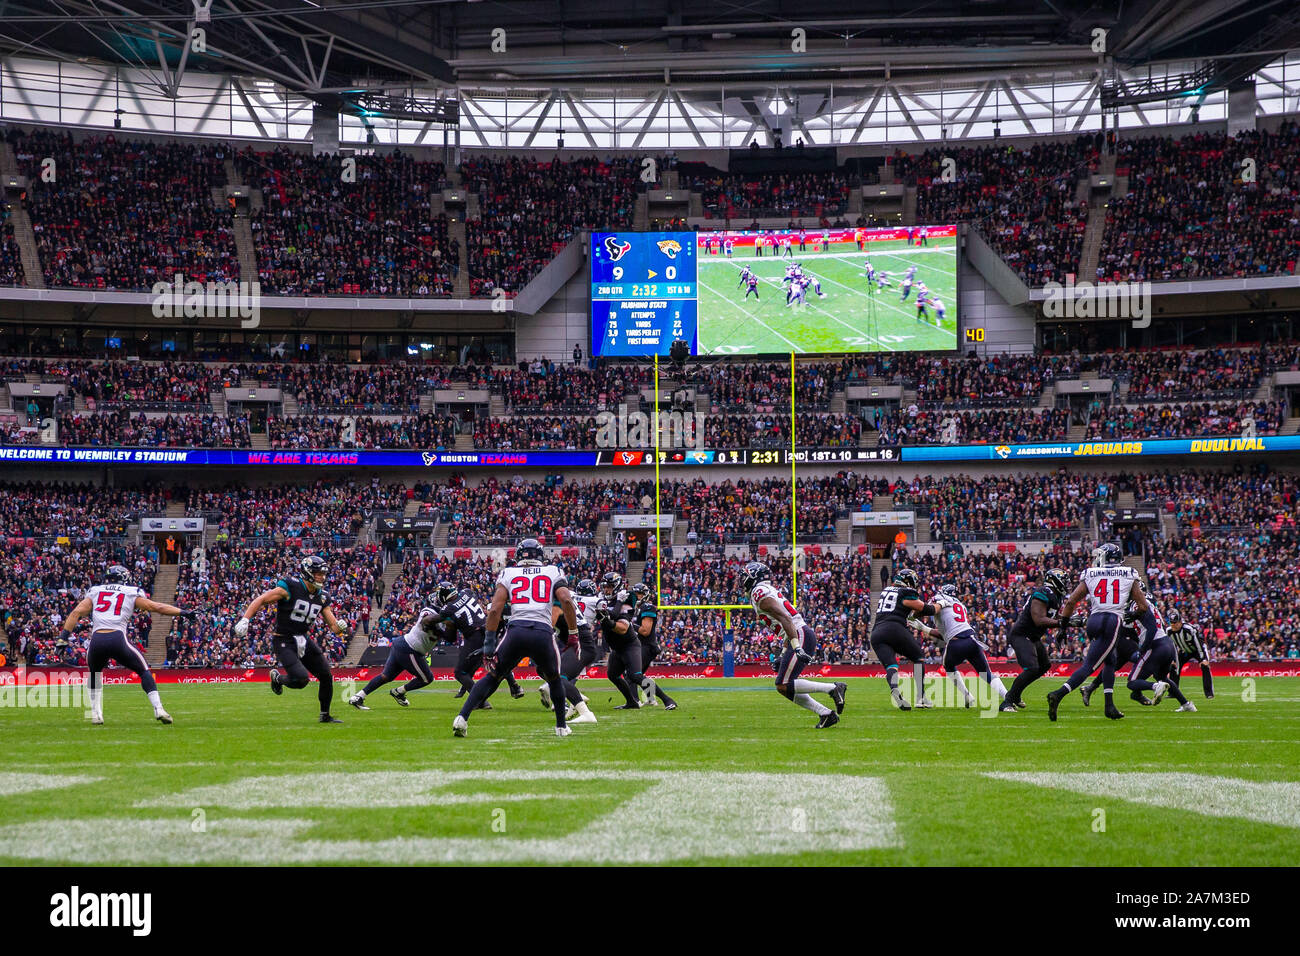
[[459, 726], [1113, 712], [460, 693], [577, 718], [1137, 696], [628, 707], [1021, 705], [1086, 693], [518, 692], [358, 701], [327, 719], [837, 695], [545, 692], [1054, 700], [1187, 708], [828, 719], [399, 695], [97, 720], [275, 683], [162, 717], [1158, 691], [562, 731], [486, 705], [925, 703], [899, 702], [1007, 707], [671, 705]]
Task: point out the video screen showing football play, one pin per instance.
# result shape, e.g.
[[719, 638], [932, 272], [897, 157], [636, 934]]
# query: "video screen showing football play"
[[828, 290], [645, 436]]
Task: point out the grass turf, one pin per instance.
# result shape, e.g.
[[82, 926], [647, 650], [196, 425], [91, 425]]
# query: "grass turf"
[[848, 319], [736, 775]]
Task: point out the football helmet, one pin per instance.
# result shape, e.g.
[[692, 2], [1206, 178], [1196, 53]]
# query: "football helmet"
[[586, 588], [311, 566], [1107, 556], [447, 592], [640, 591], [755, 572], [1054, 580], [610, 582], [908, 578], [117, 574], [529, 549], [948, 591], [1174, 616]]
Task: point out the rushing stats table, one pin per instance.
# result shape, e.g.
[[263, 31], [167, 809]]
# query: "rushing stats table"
[[643, 292]]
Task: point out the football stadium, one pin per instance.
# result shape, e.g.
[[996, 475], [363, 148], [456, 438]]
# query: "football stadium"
[[483, 433]]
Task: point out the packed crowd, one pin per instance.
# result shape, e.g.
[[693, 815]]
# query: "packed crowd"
[[1021, 200], [760, 508], [325, 509], [559, 511], [121, 428], [319, 233], [917, 426], [530, 209], [420, 431], [1256, 498], [123, 215], [1186, 419], [41, 584], [1242, 589], [223, 581], [811, 195], [11, 259], [772, 430], [541, 384], [1050, 504], [1192, 211], [1163, 374], [74, 510]]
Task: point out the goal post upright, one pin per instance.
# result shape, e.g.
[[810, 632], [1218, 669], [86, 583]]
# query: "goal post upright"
[[794, 501]]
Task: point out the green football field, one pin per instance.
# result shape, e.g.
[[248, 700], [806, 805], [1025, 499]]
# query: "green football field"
[[737, 775], [849, 319]]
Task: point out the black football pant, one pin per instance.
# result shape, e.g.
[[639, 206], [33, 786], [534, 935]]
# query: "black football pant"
[[299, 670], [1034, 662]]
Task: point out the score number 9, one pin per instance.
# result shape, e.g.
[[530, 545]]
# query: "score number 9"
[[618, 272]]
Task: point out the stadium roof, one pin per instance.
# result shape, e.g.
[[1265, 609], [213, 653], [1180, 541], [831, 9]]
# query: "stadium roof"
[[327, 47]]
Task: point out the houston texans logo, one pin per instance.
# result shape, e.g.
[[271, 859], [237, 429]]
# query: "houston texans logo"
[[429, 457], [670, 247], [616, 248]]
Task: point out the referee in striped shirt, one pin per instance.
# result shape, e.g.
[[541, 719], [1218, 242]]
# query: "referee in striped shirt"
[[1190, 646]]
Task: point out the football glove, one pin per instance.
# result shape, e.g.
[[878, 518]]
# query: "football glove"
[[188, 615], [1078, 620], [241, 627]]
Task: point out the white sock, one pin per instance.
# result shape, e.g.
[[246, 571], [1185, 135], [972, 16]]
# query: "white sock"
[[582, 709], [997, 685], [96, 701], [961, 685], [807, 703], [362, 694], [812, 686], [155, 700]]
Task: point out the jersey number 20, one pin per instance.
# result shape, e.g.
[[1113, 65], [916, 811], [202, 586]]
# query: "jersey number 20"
[[540, 588]]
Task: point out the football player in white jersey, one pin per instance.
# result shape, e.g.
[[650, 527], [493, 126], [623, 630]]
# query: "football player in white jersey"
[[1108, 586], [111, 606], [961, 646], [408, 653], [529, 586], [579, 651], [800, 643]]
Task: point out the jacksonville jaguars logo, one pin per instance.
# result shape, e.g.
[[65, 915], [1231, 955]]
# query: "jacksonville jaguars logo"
[[616, 248], [1003, 451], [670, 247]]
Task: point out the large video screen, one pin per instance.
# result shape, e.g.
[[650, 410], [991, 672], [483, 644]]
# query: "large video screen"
[[775, 291], [833, 290], [643, 292]]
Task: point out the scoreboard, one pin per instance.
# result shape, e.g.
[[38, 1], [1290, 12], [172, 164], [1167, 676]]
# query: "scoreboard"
[[644, 292]]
